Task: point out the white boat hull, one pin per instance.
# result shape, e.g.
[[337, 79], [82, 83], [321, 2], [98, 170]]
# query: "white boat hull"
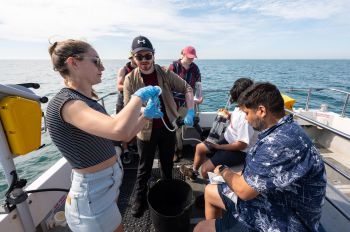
[[43, 203]]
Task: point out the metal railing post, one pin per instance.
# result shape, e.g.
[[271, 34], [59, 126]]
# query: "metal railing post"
[[345, 105], [308, 99], [103, 102]]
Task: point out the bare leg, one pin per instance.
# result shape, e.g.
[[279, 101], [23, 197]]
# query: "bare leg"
[[200, 155], [213, 202], [205, 226], [120, 228], [208, 166]]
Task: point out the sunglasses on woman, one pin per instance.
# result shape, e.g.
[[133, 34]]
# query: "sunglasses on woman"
[[148, 56], [96, 60]]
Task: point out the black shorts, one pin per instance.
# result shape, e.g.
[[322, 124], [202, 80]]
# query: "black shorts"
[[229, 158], [228, 222]]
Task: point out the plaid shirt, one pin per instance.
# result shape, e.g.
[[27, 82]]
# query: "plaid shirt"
[[191, 76]]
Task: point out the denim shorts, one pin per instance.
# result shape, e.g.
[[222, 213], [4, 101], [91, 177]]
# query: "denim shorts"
[[91, 203]]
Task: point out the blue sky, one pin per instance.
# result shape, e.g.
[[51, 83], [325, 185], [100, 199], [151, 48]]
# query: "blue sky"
[[252, 29]]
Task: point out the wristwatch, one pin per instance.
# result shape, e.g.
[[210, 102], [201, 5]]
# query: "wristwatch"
[[222, 168]]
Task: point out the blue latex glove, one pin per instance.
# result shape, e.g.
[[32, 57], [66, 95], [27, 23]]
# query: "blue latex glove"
[[148, 92], [152, 109], [188, 120]]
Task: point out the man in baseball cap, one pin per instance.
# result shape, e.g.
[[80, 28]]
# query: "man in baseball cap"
[[141, 43], [155, 134]]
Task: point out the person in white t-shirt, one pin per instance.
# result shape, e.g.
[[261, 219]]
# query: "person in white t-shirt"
[[231, 149]]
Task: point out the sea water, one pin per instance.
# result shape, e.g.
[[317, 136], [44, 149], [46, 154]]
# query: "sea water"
[[217, 75]]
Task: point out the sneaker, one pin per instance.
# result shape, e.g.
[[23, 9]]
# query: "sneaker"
[[138, 208], [189, 172], [126, 159]]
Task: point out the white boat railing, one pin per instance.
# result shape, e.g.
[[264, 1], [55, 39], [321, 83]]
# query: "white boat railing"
[[310, 90], [102, 99], [307, 104], [312, 121]]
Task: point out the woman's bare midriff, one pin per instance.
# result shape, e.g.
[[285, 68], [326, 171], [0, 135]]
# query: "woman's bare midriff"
[[98, 167]]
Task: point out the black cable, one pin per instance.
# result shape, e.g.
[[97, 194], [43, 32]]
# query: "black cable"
[[13, 183], [48, 190]]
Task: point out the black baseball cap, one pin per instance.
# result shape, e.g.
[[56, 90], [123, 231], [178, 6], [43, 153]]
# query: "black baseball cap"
[[141, 43]]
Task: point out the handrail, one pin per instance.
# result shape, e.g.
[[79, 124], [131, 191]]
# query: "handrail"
[[335, 131], [10, 90], [309, 90], [105, 96], [338, 200], [335, 168], [116, 92]]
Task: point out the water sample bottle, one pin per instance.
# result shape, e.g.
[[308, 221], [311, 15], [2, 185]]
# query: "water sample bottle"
[[198, 91]]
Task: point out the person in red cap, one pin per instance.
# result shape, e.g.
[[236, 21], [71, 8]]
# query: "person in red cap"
[[189, 71]]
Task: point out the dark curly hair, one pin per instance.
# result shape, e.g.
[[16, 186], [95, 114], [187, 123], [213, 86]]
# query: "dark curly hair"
[[263, 93], [239, 87]]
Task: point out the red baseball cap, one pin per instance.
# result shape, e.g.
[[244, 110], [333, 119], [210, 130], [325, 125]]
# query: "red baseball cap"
[[189, 52]]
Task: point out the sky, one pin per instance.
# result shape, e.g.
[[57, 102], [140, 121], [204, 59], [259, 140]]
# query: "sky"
[[222, 29]]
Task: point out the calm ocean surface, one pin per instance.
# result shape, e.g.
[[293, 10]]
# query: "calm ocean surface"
[[216, 74]]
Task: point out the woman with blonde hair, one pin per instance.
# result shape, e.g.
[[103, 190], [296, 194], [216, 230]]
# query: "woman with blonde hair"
[[83, 132]]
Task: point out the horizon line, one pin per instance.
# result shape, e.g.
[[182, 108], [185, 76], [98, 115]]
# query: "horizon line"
[[197, 59]]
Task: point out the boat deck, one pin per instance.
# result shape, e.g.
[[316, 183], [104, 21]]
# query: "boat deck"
[[330, 214], [144, 223], [340, 162]]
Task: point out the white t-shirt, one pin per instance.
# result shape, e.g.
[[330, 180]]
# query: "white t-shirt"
[[240, 130]]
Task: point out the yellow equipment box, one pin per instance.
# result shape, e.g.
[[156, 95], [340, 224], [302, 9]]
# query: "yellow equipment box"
[[21, 120], [288, 102]]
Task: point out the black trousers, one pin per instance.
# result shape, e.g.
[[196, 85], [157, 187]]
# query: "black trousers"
[[165, 141]]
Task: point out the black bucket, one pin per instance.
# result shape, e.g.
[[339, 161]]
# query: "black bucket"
[[170, 204]]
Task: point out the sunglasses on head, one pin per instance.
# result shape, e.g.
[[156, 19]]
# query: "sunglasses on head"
[[148, 56]]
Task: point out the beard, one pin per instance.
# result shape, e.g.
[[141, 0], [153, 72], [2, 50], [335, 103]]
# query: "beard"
[[258, 124], [146, 66]]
